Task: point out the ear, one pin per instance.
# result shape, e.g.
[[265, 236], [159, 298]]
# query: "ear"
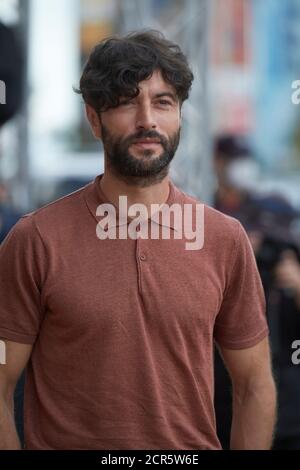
[[94, 121]]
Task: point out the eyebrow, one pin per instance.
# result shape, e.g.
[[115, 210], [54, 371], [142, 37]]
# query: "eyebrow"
[[167, 93]]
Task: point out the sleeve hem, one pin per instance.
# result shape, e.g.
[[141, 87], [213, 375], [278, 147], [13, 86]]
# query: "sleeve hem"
[[246, 343], [17, 337]]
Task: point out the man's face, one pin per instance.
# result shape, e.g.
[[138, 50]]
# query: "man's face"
[[140, 136]]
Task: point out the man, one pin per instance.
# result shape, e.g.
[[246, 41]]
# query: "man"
[[117, 332]]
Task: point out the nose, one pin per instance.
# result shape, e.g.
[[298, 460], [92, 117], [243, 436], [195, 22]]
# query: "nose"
[[145, 117]]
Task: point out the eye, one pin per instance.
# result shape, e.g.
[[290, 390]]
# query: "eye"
[[165, 102]]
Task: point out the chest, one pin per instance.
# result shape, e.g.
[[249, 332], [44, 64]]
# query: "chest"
[[130, 282]]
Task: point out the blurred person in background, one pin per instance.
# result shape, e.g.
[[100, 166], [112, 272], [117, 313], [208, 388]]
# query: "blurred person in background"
[[277, 253], [236, 201], [12, 74], [8, 216], [268, 221], [11, 70], [235, 172]]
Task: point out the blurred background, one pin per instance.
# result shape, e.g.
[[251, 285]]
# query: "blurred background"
[[240, 146], [244, 55]]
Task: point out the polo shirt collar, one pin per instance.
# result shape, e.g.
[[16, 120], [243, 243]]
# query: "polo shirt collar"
[[94, 197]]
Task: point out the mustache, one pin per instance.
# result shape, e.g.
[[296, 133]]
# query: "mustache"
[[142, 134]]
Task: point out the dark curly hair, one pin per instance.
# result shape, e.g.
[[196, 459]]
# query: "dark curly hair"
[[117, 65]]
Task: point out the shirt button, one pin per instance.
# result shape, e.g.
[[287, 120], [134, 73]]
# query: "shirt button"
[[143, 257]]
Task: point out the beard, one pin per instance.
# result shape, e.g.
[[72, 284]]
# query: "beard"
[[145, 169]]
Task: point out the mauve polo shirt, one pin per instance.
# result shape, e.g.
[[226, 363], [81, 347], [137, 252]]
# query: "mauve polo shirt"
[[123, 330]]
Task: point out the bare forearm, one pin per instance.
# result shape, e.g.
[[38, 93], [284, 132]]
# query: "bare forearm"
[[254, 416], [8, 435]]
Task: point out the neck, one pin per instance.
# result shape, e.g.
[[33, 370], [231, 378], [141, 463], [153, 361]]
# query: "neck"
[[113, 187]]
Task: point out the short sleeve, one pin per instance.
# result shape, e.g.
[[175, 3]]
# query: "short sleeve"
[[21, 267], [241, 321]]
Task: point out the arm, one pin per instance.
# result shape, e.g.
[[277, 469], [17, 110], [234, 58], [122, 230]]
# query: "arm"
[[254, 396], [17, 356]]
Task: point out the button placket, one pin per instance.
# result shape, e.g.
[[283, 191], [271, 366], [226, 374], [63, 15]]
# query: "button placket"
[[141, 257]]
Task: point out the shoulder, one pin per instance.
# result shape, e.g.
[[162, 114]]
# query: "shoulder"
[[61, 206], [53, 220], [62, 212], [218, 227]]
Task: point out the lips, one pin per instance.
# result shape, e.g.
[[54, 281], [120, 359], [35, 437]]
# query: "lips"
[[147, 142]]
